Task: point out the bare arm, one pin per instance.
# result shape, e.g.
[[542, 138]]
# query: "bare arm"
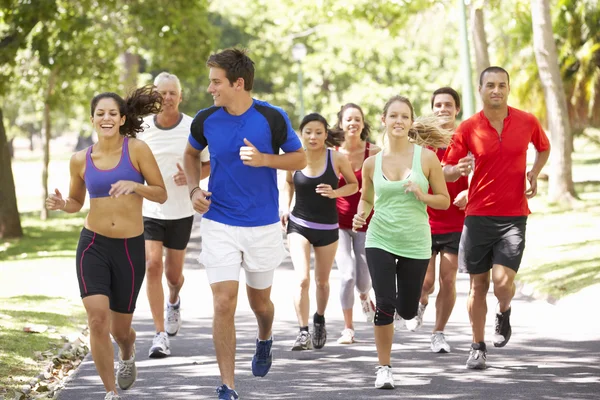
[[288, 194], [540, 160], [192, 167], [345, 169], [440, 199], [367, 198], [288, 191], [463, 168], [205, 170], [74, 202], [193, 171], [154, 189], [292, 161]]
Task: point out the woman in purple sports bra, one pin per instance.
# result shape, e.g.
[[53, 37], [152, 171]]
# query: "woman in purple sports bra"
[[110, 254]]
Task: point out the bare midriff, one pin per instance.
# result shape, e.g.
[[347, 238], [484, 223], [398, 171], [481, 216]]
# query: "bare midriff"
[[117, 218]]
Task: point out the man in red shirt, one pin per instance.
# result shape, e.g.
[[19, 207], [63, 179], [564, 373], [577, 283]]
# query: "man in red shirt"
[[493, 238], [446, 228]]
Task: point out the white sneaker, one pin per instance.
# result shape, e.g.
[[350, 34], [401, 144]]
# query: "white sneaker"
[[399, 322], [438, 343], [112, 396], [415, 323], [126, 372], [368, 309], [173, 319], [385, 378], [347, 337], [161, 347]]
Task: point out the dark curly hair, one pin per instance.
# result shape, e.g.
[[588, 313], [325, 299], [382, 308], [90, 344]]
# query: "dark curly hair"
[[139, 103], [335, 137]]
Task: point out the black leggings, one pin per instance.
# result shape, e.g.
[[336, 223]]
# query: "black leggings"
[[397, 282]]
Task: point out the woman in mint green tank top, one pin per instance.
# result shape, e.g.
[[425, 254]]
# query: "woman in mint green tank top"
[[398, 244]]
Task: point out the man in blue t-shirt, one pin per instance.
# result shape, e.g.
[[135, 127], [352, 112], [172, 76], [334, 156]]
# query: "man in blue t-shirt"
[[241, 221]]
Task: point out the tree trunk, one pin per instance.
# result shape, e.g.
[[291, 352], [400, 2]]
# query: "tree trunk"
[[10, 222], [46, 136], [482, 58], [595, 116], [560, 181], [131, 67]]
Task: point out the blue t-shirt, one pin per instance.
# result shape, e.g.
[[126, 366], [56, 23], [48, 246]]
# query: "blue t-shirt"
[[243, 195]]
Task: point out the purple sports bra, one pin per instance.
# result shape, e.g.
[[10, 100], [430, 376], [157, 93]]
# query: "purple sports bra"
[[99, 181]]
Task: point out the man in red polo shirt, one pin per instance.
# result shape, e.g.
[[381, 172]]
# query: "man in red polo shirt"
[[446, 228], [493, 237]]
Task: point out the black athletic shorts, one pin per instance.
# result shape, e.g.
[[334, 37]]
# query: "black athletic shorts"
[[111, 267], [316, 237], [173, 233], [486, 241], [445, 242]]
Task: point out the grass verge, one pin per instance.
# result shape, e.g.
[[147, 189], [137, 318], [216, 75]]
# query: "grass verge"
[[25, 354], [562, 253]]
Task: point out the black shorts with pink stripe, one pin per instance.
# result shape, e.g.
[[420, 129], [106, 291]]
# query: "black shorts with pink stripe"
[[111, 267]]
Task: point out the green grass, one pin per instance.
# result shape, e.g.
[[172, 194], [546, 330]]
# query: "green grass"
[[55, 237], [562, 253], [20, 352]]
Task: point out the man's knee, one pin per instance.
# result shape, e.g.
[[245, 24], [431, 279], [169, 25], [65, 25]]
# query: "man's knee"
[[174, 276], [224, 303], [154, 268], [479, 286]]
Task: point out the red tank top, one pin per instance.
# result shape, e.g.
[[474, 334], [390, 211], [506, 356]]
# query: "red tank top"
[[347, 206], [452, 219]]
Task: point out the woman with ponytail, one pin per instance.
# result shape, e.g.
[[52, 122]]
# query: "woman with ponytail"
[[118, 172], [398, 243], [314, 221]]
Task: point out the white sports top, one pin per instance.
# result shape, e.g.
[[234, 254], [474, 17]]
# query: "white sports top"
[[168, 146]]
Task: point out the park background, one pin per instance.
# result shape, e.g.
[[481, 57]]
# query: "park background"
[[311, 56]]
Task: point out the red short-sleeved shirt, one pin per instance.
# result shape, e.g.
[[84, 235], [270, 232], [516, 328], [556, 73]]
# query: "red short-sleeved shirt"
[[498, 184], [452, 219]]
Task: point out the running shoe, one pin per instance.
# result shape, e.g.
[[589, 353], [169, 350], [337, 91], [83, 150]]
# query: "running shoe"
[[399, 322], [126, 371], [503, 331], [173, 320], [112, 396], [415, 323], [263, 357], [347, 336], [160, 346], [303, 342], [226, 393], [438, 343], [368, 309], [477, 356], [319, 336], [384, 377]]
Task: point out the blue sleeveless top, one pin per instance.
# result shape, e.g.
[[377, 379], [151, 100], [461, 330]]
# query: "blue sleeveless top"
[[98, 181]]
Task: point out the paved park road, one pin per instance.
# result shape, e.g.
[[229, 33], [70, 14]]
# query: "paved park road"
[[554, 353]]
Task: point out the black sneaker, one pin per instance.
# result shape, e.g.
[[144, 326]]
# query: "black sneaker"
[[503, 330], [319, 336]]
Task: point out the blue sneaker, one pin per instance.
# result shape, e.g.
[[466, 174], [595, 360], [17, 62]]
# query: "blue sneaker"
[[225, 393], [263, 358]]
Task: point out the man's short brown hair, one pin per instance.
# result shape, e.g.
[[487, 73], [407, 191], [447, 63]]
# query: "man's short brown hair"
[[236, 64]]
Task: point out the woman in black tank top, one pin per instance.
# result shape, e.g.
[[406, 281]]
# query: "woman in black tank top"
[[314, 221]]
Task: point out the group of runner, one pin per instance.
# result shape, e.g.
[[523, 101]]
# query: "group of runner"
[[383, 214]]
